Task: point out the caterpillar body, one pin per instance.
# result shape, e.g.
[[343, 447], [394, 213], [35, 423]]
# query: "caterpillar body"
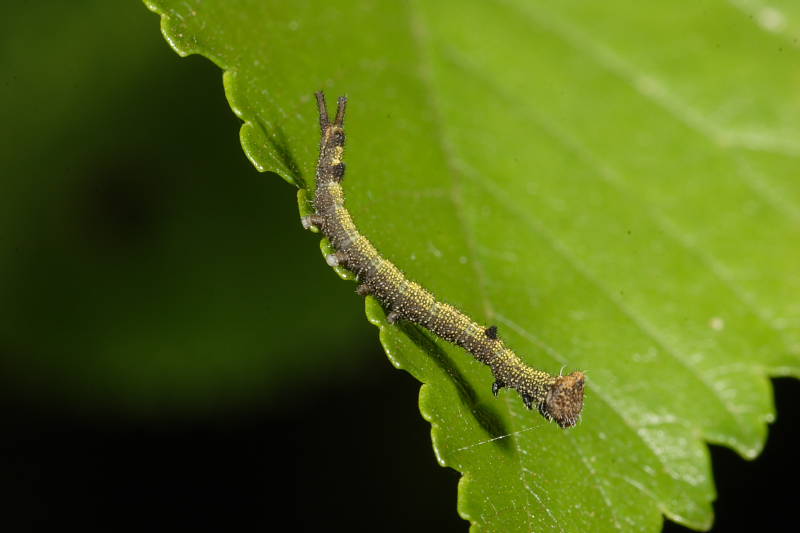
[[558, 398]]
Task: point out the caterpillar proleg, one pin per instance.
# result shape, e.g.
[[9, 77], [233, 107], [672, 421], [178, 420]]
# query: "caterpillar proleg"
[[558, 398]]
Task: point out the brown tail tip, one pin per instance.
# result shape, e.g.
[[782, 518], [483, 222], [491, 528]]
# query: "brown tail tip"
[[324, 121], [564, 401], [340, 107]]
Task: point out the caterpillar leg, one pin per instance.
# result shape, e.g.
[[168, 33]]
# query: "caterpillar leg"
[[527, 400], [336, 259], [363, 289], [496, 386], [311, 221]]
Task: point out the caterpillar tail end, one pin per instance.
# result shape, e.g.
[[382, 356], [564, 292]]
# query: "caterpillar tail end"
[[564, 401]]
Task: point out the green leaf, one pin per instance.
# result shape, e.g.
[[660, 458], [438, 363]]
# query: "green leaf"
[[608, 183]]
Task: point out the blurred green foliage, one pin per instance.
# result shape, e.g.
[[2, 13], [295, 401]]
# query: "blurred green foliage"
[[143, 262]]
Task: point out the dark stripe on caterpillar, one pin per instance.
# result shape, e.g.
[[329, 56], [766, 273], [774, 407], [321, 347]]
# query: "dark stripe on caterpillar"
[[558, 398]]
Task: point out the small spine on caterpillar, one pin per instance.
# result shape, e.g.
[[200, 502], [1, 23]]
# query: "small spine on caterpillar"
[[558, 398]]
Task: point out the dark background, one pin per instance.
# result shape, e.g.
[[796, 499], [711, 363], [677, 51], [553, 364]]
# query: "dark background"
[[151, 283], [314, 464]]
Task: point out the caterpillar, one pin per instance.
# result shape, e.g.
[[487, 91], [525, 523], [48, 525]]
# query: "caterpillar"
[[558, 398]]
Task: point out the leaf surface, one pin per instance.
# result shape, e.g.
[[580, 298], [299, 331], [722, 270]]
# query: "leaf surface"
[[609, 184]]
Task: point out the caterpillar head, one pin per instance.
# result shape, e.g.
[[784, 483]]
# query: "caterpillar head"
[[564, 401]]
